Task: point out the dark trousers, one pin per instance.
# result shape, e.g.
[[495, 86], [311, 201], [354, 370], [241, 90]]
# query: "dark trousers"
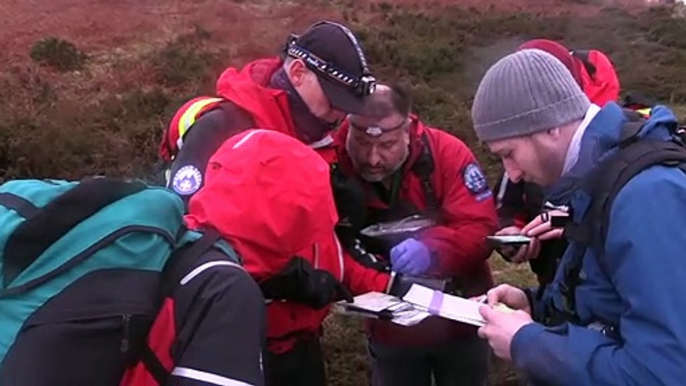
[[301, 366], [458, 363]]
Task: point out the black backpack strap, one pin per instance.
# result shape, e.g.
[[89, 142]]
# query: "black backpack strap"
[[184, 260], [604, 184], [583, 55], [570, 280], [630, 161], [424, 167], [22, 206], [179, 265], [600, 182], [349, 197], [48, 224], [154, 365]]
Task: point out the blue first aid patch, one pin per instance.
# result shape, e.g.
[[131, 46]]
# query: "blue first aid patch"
[[476, 182], [187, 180]]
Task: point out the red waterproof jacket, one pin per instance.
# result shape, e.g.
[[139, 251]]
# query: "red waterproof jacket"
[[248, 89], [269, 108], [270, 197], [459, 244], [598, 76]]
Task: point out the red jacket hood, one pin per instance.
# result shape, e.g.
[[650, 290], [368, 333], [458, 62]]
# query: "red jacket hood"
[[269, 195], [559, 51], [603, 86], [248, 89]]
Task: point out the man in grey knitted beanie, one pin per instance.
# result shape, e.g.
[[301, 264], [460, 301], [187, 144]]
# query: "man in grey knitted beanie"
[[613, 313], [527, 109]]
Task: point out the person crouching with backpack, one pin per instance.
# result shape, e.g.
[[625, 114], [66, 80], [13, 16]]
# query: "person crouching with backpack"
[[269, 196], [614, 313]]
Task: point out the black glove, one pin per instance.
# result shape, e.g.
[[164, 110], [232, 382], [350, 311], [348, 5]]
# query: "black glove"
[[402, 283], [301, 283]]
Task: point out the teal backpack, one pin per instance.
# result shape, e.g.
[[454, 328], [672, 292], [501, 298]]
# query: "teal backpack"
[[84, 269]]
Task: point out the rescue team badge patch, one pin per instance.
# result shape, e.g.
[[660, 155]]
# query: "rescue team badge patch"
[[476, 182], [187, 180]]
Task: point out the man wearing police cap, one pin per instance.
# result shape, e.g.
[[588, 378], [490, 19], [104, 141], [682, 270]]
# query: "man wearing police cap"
[[426, 189], [321, 76]]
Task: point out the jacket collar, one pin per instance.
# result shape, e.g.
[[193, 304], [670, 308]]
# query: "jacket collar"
[[599, 141], [308, 127]]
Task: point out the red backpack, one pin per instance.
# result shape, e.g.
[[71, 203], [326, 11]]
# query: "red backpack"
[[598, 76]]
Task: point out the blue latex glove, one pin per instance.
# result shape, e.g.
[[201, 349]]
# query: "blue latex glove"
[[410, 257]]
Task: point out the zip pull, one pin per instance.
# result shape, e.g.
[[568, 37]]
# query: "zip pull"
[[126, 325]]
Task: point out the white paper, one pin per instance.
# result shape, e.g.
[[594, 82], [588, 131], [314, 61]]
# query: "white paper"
[[404, 313], [451, 307], [374, 301], [410, 317]]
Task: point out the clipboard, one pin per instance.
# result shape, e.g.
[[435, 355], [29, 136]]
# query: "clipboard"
[[409, 224]]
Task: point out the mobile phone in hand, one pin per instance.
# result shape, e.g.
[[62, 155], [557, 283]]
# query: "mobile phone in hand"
[[510, 241]]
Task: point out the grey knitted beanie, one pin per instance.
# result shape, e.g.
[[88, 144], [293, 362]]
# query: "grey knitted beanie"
[[524, 93]]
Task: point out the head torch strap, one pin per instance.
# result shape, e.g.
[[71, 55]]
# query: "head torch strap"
[[324, 67], [375, 131], [364, 85], [355, 43]]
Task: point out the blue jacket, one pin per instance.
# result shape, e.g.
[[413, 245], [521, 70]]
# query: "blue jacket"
[[644, 290]]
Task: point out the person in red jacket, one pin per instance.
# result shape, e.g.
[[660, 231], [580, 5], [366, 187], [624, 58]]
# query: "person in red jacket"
[[269, 196], [321, 76], [592, 69], [407, 168]]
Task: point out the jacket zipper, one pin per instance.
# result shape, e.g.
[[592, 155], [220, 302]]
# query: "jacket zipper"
[[126, 326]]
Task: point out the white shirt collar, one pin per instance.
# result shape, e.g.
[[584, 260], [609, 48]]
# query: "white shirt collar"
[[575, 145]]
